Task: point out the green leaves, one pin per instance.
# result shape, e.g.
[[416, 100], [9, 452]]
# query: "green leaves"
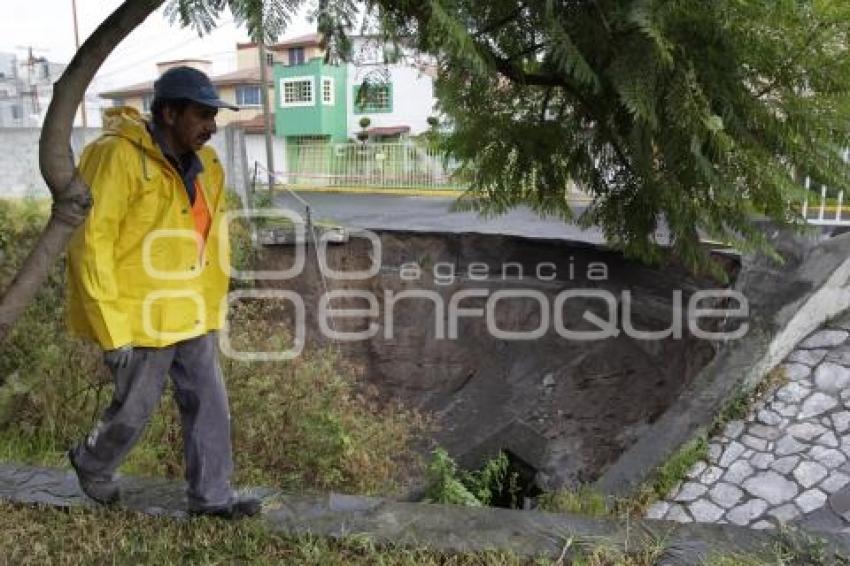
[[334, 18], [564, 53], [691, 115], [450, 485], [265, 20], [688, 114], [454, 38]]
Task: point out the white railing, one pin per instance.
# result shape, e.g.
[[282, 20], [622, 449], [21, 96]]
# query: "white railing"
[[824, 214], [402, 165]]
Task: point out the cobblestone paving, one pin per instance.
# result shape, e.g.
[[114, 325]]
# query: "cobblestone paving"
[[789, 456]]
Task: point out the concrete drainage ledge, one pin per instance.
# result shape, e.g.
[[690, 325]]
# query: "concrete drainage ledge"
[[787, 302], [440, 527]]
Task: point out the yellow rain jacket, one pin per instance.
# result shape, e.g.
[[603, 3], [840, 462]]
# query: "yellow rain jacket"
[[137, 272]]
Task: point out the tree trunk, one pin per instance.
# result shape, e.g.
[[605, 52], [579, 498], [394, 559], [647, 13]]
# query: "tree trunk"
[[71, 196]]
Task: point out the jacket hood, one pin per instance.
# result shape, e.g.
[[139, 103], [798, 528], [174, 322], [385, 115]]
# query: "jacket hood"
[[127, 122]]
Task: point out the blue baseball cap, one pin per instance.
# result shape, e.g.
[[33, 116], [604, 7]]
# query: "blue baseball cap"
[[191, 84]]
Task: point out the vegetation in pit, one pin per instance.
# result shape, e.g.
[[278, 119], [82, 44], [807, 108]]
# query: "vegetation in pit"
[[306, 424], [449, 484], [583, 500], [586, 500]]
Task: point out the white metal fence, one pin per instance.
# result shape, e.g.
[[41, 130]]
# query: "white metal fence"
[[404, 165], [411, 165], [825, 212]]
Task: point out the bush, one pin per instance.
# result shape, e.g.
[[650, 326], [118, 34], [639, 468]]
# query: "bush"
[[303, 424]]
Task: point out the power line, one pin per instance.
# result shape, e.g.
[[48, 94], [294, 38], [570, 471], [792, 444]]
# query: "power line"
[[155, 55], [201, 55], [151, 36]]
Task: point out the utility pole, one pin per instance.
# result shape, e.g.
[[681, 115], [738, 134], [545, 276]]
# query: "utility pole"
[[31, 80], [267, 118], [77, 43], [33, 92]]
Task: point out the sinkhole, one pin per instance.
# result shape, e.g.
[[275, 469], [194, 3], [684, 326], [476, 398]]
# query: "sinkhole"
[[559, 353]]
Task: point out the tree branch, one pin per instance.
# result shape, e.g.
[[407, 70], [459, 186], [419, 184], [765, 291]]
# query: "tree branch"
[[499, 23], [71, 196], [55, 157], [516, 74]]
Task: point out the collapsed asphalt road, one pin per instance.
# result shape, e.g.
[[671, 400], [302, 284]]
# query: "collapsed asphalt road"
[[431, 214]]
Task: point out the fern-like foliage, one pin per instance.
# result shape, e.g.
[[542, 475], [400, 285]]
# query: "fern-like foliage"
[[685, 115], [266, 20], [688, 115]]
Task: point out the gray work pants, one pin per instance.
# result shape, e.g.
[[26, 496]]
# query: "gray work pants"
[[202, 399]]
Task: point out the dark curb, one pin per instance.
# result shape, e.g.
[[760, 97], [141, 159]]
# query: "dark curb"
[[439, 527]]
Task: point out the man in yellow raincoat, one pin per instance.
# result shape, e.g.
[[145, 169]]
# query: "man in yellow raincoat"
[[147, 279]]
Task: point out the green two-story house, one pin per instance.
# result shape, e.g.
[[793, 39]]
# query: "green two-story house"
[[311, 102]]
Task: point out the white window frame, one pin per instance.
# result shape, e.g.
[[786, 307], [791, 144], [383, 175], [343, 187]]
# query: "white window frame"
[[289, 80], [331, 100]]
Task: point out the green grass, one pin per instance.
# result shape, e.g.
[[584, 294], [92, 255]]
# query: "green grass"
[[45, 535], [588, 501], [583, 500], [307, 424], [789, 547], [598, 552], [32, 534]]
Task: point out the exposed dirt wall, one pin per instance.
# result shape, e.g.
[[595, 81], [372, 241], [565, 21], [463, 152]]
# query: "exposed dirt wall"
[[565, 408]]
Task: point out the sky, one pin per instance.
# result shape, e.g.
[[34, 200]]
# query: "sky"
[[48, 27]]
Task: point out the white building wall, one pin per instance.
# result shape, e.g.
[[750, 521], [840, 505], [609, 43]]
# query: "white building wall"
[[413, 100], [255, 148], [19, 170]]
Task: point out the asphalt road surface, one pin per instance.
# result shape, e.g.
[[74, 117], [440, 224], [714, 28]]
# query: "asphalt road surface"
[[429, 214]]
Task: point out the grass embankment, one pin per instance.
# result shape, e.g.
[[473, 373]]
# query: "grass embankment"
[[301, 425], [47, 535]]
